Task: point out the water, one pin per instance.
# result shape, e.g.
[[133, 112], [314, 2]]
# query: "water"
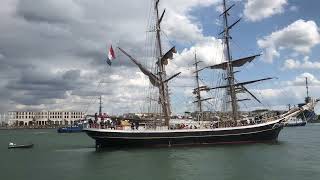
[[72, 156]]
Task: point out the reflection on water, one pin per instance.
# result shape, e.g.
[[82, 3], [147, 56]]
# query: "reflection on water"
[[41, 132], [76, 150]]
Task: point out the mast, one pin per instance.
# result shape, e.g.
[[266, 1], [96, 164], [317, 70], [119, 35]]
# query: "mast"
[[230, 74], [307, 87], [159, 79], [163, 89], [100, 106], [198, 95], [307, 99]]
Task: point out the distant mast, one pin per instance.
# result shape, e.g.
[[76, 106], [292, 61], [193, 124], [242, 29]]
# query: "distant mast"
[[198, 89], [100, 105], [198, 92], [307, 87], [307, 99]]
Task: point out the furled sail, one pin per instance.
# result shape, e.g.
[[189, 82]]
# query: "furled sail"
[[235, 63], [240, 100], [175, 75], [201, 88], [206, 99], [168, 55], [231, 26], [153, 78], [226, 11], [242, 83]]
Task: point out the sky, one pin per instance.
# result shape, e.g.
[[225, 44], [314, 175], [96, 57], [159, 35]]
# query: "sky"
[[53, 52]]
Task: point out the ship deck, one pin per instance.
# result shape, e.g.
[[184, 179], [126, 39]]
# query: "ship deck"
[[165, 129]]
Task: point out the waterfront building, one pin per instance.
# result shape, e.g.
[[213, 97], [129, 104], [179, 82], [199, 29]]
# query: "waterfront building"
[[3, 119], [27, 118]]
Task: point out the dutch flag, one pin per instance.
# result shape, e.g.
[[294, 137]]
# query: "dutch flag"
[[111, 56]]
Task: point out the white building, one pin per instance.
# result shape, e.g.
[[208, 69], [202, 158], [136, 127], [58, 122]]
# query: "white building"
[[3, 119], [43, 117]]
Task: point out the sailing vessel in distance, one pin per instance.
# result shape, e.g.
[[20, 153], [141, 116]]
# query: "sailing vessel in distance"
[[306, 116], [233, 129]]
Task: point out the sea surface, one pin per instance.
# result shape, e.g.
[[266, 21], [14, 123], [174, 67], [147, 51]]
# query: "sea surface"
[[73, 157]]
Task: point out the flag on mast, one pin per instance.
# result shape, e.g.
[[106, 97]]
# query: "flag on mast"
[[111, 56]]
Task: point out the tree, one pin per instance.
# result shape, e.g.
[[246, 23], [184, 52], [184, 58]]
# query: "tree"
[[21, 123]]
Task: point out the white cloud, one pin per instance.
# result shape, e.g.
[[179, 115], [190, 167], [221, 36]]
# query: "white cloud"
[[185, 58], [180, 28], [72, 35], [288, 92], [179, 25], [300, 36], [256, 10], [294, 8], [183, 6], [296, 64], [50, 10], [183, 61], [301, 80]]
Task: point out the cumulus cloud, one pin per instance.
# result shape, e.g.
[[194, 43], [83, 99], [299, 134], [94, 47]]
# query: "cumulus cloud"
[[179, 24], [180, 28], [53, 58], [209, 51], [53, 52], [300, 37], [296, 64], [294, 8], [49, 10], [289, 92], [301, 80], [256, 10]]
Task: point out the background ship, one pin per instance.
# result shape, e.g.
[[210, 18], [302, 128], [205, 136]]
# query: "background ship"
[[307, 116]]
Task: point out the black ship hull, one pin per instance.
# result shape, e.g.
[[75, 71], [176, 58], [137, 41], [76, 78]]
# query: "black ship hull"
[[266, 132]]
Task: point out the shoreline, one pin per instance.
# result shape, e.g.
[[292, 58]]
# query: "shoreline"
[[23, 128]]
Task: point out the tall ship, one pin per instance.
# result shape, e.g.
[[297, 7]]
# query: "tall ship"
[[306, 116], [227, 128]]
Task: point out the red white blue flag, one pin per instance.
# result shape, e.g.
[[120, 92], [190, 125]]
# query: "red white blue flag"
[[111, 56]]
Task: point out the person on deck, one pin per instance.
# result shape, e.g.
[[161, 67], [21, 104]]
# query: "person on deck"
[[90, 123], [137, 125], [113, 126], [95, 119], [102, 123]]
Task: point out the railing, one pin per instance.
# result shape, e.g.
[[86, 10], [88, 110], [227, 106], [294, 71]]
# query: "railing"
[[124, 127], [195, 125]]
